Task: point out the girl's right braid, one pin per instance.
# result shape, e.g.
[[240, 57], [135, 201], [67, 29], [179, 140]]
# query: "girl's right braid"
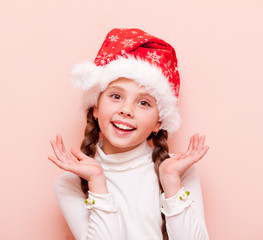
[[88, 145], [160, 153]]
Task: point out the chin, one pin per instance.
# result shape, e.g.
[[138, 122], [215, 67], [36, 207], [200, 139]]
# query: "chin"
[[120, 145]]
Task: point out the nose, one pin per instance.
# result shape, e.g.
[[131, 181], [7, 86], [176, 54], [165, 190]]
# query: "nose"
[[126, 110]]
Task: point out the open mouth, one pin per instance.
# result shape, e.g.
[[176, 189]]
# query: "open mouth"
[[123, 127]]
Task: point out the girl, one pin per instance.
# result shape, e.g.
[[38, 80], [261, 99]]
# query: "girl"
[[117, 187]]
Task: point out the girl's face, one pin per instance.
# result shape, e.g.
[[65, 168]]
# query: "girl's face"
[[127, 114]]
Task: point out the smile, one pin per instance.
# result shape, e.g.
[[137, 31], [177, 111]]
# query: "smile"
[[122, 126]]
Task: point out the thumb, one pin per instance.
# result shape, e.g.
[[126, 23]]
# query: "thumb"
[[77, 153]]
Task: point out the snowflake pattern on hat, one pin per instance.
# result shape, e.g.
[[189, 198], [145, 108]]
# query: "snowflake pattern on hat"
[[114, 38], [121, 42], [168, 71], [154, 57], [128, 42], [104, 58], [137, 55]]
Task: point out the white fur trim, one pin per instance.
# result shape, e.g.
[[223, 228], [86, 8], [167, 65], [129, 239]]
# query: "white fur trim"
[[85, 75], [94, 80]]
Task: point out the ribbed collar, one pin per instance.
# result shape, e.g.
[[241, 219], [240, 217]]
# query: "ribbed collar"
[[134, 158]]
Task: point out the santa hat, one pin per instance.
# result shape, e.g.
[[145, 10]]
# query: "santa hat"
[[137, 55]]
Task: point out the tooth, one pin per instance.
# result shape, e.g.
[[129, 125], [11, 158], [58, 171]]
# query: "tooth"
[[122, 126]]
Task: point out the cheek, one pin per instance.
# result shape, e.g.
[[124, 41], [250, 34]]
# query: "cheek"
[[149, 119], [106, 110]]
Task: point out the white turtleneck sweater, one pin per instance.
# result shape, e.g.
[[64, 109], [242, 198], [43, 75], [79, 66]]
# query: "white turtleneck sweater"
[[132, 209]]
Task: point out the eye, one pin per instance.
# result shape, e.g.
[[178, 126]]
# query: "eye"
[[144, 103], [116, 96]]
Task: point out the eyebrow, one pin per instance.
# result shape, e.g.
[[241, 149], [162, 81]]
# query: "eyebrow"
[[142, 94], [115, 87]]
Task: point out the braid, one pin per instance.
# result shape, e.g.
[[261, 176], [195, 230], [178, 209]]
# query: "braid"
[[88, 145], [160, 153]]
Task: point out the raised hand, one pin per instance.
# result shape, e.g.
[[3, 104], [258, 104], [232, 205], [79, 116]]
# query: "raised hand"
[[78, 163], [172, 169]]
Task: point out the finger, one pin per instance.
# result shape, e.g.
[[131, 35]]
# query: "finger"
[[190, 160], [58, 141], [78, 154], [63, 165], [190, 146], [195, 142], [60, 145], [201, 143], [62, 148], [201, 153], [177, 155], [180, 155], [56, 149], [56, 162]]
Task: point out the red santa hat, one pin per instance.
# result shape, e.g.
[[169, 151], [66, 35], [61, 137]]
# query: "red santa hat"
[[137, 55]]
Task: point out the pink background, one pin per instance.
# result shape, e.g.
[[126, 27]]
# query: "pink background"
[[219, 47]]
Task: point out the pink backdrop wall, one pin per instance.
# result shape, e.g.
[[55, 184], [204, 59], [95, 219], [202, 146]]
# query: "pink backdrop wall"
[[219, 47]]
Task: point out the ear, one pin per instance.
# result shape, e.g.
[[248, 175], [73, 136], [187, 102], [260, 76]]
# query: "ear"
[[157, 127], [95, 112]]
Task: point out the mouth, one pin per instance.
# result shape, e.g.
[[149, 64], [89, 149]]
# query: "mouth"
[[123, 126]]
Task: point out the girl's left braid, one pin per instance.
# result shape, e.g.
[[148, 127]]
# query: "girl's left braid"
[[160, 153], [88, 145]]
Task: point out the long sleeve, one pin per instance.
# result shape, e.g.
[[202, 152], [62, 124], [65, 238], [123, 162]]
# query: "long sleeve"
[[185, 218], [87, 222]]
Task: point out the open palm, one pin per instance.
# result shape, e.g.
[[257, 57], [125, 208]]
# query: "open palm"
[[180, 162], [75, 161]]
